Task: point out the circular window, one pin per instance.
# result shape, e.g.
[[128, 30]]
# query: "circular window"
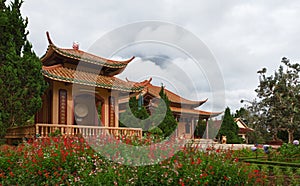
[[81, 110]]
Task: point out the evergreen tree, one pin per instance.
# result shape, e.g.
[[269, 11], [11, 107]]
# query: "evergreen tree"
[[279, 94], [229, 128], [200, 128], [169, 124], [135, 116], [161, 122], [21, 81]]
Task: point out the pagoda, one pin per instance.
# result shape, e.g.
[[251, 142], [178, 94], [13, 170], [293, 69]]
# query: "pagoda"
[[83, 89], [184, 111]]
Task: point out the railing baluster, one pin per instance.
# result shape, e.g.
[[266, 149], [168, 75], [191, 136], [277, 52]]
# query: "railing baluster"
[[42, 131], [85, 131]]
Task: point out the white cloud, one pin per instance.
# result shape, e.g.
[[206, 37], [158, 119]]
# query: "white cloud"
[[244, 36]]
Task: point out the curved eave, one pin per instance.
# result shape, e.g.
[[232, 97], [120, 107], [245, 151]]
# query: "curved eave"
[[85, 57], [89, 83], [196, 113], [193, 104], [214, 114], [47, 55], [80, 55], [183, 102]]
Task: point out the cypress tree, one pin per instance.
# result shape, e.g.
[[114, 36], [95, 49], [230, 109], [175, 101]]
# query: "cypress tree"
[[169, 123], [161, 122], [200, 128], [21, 81], [229, 128]]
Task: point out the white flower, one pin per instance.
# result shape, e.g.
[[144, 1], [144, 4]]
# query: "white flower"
[[296, 142]]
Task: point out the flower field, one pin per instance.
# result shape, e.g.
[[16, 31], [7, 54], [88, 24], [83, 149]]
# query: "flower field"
[[72, 161]]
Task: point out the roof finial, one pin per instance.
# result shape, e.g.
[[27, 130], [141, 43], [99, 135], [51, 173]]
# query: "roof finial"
[[48, 37], [75, 45]]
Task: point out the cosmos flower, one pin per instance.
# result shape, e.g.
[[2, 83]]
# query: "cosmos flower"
[[296, 142]]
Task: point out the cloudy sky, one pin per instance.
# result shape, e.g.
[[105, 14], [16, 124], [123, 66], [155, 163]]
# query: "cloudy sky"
[[236, 37]]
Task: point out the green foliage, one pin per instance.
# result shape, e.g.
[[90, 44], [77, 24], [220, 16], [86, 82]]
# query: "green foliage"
[[161, 122], [285, 155], [200, 129], [55, 133], [289, 151], [21, 82], [213, 129], [155, 131], [250, 114], [279, 99], [169, 123], [134, 116], [229, 128]]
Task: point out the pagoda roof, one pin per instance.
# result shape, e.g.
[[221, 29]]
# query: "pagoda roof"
[[79, 55], [243, 128], [174, 98], [69, 75], [201, 113], [154, 91]]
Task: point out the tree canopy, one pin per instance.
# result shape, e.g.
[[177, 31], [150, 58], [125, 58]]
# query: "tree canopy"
[[135, 115], [279, 99], [161, 121], [21, 81]]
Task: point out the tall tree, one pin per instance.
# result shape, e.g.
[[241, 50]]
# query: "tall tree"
[[279, 94], [200, 128], [161, 121], [135, 115], [168, 124], [21, 81], [229, 128]]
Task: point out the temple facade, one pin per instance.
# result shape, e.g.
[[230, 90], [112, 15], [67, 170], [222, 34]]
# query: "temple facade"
[[83, 89]]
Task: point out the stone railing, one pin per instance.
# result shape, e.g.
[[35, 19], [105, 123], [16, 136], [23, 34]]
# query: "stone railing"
[[20, 132], [44, 130]]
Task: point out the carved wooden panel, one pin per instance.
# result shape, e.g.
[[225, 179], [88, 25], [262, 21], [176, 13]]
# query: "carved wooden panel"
[[62, 106], [111, 111]]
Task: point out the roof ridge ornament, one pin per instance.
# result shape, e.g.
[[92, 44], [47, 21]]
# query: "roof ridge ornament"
[[142, 83], [75, 45], [49, 39]]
